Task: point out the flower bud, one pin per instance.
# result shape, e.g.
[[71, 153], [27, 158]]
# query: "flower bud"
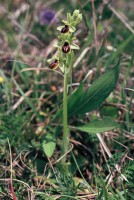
[[66, 47], [76, 13], [79, 18], [65, 29], [54, 64]]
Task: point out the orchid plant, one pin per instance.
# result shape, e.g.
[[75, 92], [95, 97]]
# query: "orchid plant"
[[81, 100], [64, 60]]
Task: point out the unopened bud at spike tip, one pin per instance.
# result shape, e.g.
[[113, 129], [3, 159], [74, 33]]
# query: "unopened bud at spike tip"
[[76, 13]]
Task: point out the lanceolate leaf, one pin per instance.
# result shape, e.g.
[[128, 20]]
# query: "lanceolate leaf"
[[91, 98], [98, 125]]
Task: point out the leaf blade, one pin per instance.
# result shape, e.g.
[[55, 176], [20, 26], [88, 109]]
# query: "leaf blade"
[[96, 94], [99, 125], [49, 145]]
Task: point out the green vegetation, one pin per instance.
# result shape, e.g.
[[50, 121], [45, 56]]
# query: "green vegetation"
[[66, 100]]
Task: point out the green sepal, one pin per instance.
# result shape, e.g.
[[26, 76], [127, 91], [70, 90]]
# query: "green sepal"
[[72, 29], [69, 17], [75, 46], [50, 60], [59, 28], [65, 22]]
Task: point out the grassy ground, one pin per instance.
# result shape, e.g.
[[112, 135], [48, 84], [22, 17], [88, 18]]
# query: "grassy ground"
[[99, 166]]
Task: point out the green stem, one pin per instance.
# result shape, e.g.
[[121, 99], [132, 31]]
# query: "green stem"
[[65, 142]]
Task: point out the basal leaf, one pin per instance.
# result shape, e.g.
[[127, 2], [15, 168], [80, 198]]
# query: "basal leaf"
[[99, 125], [91, 98]]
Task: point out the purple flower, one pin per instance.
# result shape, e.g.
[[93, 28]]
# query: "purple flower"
[[47, 16]]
